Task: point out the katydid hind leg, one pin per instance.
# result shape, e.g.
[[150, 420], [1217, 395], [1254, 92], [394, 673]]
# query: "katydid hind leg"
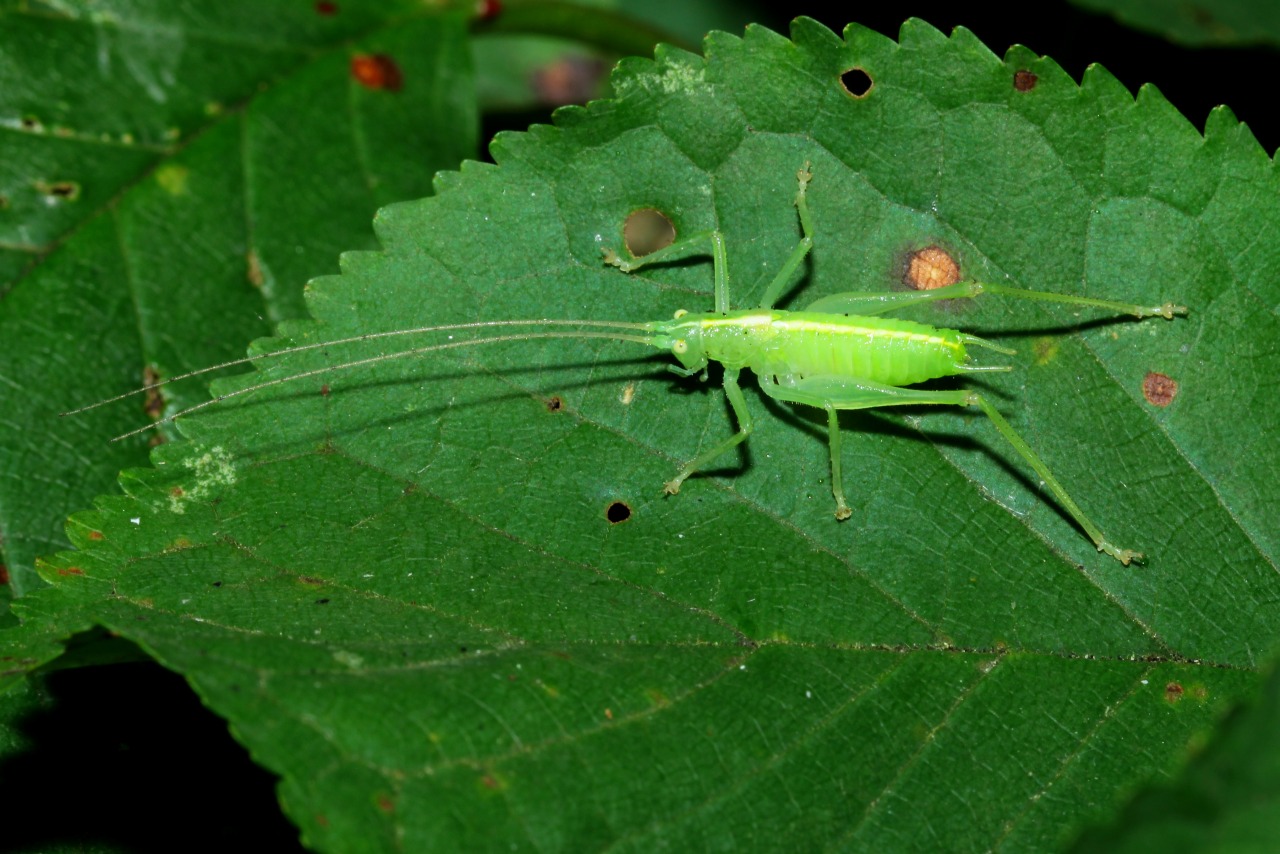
[[834, 393]]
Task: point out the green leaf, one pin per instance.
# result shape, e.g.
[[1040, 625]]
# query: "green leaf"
[[206, 172], [402, 585], [1222, 23], [1227, 799]]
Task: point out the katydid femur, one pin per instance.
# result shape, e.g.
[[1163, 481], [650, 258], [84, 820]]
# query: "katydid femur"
[[839, 353]]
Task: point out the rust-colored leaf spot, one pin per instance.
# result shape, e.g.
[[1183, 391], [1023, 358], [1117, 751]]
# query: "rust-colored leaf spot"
[[1024, 81], [646, 231], [322, 819], [1159, 389], [153, 401], [95, 535], [4, 574], [177, 492], [324, 390], [323, 7], [378, 71], [70, 570], [487, 10], [608, 713], [571, 80], [489, 781], [4, 202], [1173, 692], [253, 268], [555, 403], [930, 268], [307, 579], [617, 512], [385, 803], [856, 82]]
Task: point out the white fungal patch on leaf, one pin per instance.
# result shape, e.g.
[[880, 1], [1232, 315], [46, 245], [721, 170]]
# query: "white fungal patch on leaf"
[[213, 468]]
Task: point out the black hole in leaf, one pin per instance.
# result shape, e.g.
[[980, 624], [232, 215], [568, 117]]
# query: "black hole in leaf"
[[617, 513], [856, 82]]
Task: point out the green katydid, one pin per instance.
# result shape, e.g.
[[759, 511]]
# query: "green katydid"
[[838, 353]]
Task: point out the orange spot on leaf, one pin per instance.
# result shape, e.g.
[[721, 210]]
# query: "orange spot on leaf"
[[378, 71], [70, 570]]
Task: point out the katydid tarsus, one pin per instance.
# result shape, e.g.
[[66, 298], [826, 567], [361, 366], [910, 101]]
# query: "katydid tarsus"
[[838, 353]]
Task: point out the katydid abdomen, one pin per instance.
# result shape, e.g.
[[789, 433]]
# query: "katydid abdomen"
[[806, 344]]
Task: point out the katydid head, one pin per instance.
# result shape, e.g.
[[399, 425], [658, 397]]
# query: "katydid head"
[[682, 335]]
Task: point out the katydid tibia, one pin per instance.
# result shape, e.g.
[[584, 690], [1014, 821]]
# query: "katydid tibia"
[[839, 353]]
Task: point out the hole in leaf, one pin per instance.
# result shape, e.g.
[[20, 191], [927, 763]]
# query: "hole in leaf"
[[930, 268], [617, 513], [377, 72], [857, 82], [60, 190], [555, 403], [322, 601], [1024, 81], [646, 231], [31, 123], [1159, 389]]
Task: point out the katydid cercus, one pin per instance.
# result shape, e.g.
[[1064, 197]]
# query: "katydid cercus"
[[838, 353]]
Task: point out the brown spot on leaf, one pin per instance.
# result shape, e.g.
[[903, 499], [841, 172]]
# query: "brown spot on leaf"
[[4, 574], [307, 579], [1024, 81], [153, 401], [385, 803], [856, 82], [554, 403], [70, 570], [930, 268], [617, 512], [1173, 692], [377, 71], [95, 535], [323, 7], [570, 80], [253, 268], [487, 10], [1159, 389], [646, 231], [177, 492]]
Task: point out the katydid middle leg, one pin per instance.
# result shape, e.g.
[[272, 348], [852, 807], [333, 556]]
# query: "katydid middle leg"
[[836, 393], [745, 425]]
